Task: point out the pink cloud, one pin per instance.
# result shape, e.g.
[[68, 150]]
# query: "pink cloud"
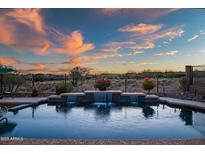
[[7, 32], [38, 46], [83, 60], [74, 44], [8, 61], [140, 29], [29, 17], [147, 41], [33, 40]]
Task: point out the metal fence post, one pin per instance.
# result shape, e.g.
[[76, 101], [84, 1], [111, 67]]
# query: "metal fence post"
[[189, 75]]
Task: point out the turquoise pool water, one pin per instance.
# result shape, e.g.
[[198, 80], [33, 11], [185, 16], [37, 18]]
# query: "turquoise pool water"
[[112, 122]]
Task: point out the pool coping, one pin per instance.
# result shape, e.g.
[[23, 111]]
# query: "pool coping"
[[195, 105], [102, 142]]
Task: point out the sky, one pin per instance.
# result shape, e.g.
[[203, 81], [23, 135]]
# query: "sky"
[[103, 40]]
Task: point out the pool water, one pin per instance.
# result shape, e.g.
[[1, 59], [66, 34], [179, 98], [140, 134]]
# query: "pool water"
[[111, 122]]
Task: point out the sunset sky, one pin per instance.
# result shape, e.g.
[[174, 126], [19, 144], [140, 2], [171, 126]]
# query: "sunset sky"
[[104, 40]]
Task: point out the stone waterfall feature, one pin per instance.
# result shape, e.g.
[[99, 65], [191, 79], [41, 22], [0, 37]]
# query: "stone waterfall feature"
[[71, 99], [113, 97], [102, 99], [133, 99]]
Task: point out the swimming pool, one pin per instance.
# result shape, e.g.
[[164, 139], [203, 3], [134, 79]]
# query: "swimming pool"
[[98, 122]]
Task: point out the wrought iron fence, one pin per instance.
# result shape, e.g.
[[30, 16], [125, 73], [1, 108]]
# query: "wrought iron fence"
[[199, 75]]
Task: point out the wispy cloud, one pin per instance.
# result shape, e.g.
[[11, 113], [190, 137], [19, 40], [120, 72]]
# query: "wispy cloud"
[[169, 34], [29, 17], [146, 44], [167, 53], [145, 13], [202, 51], [201, 32], [134, 52], [140, 29], [148, 41], [193, 38], [133, 63], [83, 60], [110, 49]]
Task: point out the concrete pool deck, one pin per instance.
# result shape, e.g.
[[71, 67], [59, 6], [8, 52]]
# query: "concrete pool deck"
[[22, 100], [15, 104], [6, 141], [183, 103]]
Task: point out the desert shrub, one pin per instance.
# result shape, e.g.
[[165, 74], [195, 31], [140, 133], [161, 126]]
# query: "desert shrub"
[[12, 82], [63, 87], [102, 84], [148, 84], [34, 92], [183, 84], [39, 77]]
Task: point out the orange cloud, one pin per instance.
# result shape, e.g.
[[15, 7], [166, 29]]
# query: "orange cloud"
[[40, 65], [80, 61], [83, 60], [11, 35], [46, 68], [141, 28], [43, 50], [7, 32], [74, 44], [53, 42], [8, 61], [29, 17], [38, 46]]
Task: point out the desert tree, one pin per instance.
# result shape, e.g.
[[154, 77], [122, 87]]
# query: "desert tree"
[[77, 74]]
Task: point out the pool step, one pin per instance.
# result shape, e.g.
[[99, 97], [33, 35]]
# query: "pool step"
[[151, 98], [19, 107], [55, 99]]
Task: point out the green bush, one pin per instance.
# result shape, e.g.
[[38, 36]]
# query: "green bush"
[[183, 84], [148, 84], [63, 87]]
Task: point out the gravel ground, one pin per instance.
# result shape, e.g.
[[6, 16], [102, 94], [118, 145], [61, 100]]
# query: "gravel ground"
[[101, 142]]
